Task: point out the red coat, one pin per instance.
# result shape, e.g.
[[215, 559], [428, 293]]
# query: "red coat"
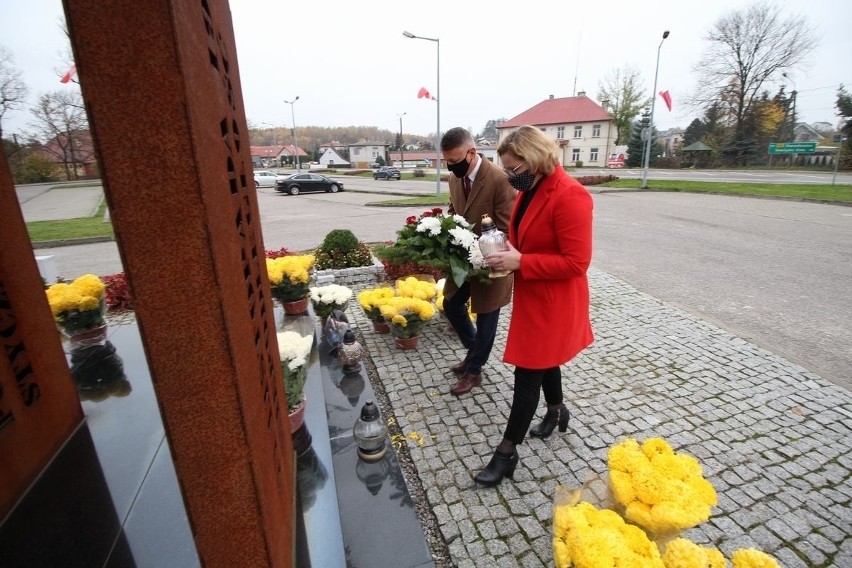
[[550, 315]]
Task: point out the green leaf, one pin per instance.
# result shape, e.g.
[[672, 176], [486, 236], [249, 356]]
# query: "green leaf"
[[459, 270]]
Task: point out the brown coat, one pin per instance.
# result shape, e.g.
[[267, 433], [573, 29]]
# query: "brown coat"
[[491, 194]]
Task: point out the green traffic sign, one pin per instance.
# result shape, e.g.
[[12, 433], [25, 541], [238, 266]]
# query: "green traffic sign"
[[792, 148]]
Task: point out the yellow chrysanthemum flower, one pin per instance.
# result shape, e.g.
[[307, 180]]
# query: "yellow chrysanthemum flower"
[[399, 320], [388, 311], [89, 285], [411, 287], [585, 537], [561, 554], [683, 553], [661, 491], [751, 558], [656, 446], [88, 303]]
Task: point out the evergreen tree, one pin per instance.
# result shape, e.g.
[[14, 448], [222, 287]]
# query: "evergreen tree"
[[636, 146], [694, 132], [844, 109], [490, 130]]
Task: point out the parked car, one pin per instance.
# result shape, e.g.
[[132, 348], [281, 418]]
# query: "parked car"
[[386, 172], [295, 184], [264, 178]]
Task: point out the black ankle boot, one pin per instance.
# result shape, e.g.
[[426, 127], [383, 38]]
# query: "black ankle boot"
[[500, 465], [549, 422]]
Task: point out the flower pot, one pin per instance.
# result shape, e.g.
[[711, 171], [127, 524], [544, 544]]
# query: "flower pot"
[[297, 417], [88, 338], [406, 342], [381, 326], [296, 307]]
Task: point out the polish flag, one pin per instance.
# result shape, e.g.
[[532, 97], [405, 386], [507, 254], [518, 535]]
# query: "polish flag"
[[667, 98], [424, 94], [69, 74]]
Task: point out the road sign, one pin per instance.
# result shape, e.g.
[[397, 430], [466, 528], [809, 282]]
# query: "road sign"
[[792, 148]]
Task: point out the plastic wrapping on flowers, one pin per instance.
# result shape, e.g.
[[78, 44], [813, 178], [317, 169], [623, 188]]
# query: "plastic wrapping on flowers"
[[589, 537]]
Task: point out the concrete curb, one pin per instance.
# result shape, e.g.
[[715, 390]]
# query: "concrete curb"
[[70, 242]]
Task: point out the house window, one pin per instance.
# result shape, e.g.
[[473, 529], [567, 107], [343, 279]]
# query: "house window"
[[575, 155], [560, 132], [596, 131], [578, 131], [593, 155]]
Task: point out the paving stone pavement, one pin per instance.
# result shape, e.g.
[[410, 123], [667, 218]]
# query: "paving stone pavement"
[[773, 438]]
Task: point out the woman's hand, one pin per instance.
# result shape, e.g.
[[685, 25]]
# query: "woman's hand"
[[508, 260]]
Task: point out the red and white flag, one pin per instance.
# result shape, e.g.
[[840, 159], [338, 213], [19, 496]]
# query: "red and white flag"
[[69, 74], [667, 98], [424, 94]]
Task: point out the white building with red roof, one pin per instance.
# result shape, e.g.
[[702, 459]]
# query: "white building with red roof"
[[583, 129]]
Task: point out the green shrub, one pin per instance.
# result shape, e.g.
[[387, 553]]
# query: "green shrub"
[[340, 239], [342, 249]]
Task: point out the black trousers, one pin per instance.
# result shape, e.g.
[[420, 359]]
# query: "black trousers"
[[528, 385], [477, 340]]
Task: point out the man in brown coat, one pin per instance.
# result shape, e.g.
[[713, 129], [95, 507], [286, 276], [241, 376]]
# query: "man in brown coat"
[[477, 187]]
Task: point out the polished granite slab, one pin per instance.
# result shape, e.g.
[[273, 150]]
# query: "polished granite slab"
[[379, 522], [111, 497]]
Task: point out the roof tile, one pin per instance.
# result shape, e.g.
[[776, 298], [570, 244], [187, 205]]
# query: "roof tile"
[[559, 111]]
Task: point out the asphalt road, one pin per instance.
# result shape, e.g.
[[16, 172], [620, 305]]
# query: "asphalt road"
[[738, 176], [777, 273]]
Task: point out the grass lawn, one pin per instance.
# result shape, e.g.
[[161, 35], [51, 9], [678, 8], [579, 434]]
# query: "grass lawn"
[[825, 192], [81, 227], [432, 200]]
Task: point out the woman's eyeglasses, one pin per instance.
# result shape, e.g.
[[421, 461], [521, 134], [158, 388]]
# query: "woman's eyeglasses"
[[512, 173]]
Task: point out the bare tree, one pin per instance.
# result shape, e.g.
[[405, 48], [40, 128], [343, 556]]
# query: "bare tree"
[[622, 96], [748, 49], [61, 121], [13, 91]]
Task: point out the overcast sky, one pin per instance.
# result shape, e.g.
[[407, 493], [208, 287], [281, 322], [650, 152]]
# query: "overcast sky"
[[350, 65]]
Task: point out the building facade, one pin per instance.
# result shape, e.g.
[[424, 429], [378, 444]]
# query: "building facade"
[[583, 129]]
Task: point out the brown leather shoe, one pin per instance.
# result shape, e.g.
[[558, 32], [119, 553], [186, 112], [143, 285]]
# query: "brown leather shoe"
[[466, 383], [459, 368]]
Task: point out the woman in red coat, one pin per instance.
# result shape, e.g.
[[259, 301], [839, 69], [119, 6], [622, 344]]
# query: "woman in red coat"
[[550, 235]]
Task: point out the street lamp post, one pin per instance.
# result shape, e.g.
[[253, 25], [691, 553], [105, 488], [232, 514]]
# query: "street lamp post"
[[437, 100], [650, 132], [401, 143], [295, 146]]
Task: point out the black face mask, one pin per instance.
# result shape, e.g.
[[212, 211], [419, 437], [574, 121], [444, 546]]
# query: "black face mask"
[[459, 169], [522, 181]]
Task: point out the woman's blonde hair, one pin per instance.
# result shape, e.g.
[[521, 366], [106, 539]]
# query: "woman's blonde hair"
[[533, 146]]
